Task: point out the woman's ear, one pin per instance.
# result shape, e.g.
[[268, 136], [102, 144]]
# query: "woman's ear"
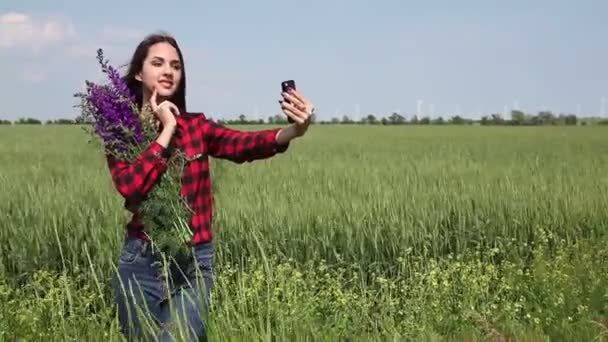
[[138, 77]]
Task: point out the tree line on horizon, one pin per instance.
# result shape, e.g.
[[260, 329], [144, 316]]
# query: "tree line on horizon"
[[518, 118]]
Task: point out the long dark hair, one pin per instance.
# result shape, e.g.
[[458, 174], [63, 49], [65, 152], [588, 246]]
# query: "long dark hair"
[[136, 64]]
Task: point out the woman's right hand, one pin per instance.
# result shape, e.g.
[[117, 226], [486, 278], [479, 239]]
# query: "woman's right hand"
[[164, 111]]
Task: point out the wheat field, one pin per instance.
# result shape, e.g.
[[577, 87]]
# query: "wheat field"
[[355, 233]]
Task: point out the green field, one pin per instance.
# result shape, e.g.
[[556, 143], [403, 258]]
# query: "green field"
[[356, 233]]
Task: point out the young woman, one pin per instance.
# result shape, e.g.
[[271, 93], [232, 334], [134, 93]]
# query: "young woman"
[[157, 77]]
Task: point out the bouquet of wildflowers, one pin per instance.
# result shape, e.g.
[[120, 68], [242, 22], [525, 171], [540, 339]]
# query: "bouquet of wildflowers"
[[123, 131]]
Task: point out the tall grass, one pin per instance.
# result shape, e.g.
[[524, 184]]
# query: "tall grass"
[[360, 232]]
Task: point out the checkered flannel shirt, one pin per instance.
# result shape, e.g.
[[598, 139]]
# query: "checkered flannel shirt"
[[198, 138]]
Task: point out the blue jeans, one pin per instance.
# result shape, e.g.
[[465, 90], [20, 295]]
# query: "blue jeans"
[[146, 299]]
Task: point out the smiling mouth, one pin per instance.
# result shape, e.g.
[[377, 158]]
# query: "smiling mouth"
[[166, 84]]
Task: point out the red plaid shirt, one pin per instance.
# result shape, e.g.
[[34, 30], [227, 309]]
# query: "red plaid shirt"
[[198, 138]]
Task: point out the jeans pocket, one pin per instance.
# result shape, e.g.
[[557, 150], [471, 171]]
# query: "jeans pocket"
[[202, 263], [131, 252], [204, 258], [204, 255], [128, 257]]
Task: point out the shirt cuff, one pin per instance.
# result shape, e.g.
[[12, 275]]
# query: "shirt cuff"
[[159, 151], [278, 148]]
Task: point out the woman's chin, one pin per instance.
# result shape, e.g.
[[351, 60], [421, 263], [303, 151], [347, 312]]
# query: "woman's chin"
[[165, 93], [162, 93]]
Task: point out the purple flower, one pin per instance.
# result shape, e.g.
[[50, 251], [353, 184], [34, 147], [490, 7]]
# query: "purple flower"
[[109, 108]]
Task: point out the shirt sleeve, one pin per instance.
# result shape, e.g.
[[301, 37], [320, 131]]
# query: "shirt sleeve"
[[240, 146], [134, 180]]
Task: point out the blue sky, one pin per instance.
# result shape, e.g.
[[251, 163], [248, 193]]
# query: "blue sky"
[[470, 57]]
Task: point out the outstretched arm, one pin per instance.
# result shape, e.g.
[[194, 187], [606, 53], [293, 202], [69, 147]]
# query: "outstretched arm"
[[241, 146]]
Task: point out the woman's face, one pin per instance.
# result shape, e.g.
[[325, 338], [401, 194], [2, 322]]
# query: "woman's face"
[[162, 70]]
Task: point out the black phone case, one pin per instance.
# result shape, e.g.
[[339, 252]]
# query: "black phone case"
[[285, 85]]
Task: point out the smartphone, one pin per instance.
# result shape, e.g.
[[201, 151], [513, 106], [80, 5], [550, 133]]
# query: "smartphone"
[[285, 85]]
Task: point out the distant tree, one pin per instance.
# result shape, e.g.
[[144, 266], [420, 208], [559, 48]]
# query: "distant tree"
[[545, 118], [371, 119], [280, 119], [64, 122], [438, 121], [347, 120], [28, 121], [497, 119], [457, 120], [518, 118], [396, 119], [571, 120]]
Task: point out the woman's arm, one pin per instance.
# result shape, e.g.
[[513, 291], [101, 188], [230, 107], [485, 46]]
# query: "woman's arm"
[[242, 146], [285, 135], [134, 180]]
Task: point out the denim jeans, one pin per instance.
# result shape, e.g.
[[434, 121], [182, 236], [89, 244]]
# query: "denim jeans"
[[146, 299]]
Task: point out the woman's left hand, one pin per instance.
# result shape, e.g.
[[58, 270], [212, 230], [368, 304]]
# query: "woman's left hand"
[[298, 108]]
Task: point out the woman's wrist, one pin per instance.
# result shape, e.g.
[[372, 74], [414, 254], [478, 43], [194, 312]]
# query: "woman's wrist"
[[165, 135], [286, 134]]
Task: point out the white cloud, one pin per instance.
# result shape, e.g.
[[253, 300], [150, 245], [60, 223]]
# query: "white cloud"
[[40, 47], [24, 32], [18, 30]]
